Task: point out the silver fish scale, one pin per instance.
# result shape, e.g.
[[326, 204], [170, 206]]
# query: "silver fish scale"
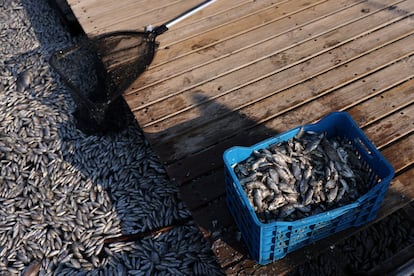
[[308, 174], [62, 193]]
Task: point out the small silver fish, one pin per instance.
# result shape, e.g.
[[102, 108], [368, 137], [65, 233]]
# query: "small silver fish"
[[256, 185], [342, 190], [296, 170], [332, 194], [23, 80], [258, 199], [303, 208], [285, 174], [330, 184], [253, 177], [272, 185], [258, 162], [300, 133], [287, 188], [308, 197], [277, 202], [291, 197], [287, 210], [274, 175], [303, 186], [33, 269]]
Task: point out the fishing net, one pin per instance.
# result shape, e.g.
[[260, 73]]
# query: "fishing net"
[[100, 69]]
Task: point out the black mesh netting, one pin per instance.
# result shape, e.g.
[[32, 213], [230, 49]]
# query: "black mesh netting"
[[99, 70]]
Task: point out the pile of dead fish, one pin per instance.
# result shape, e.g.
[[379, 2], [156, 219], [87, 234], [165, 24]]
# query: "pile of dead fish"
[[306, 175], [64, 193], [369, 249], [369, 252]]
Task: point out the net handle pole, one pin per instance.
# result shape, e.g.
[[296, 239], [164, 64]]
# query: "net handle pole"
[[188, 13]]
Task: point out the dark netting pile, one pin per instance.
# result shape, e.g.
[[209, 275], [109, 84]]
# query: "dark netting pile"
[[99, 70]]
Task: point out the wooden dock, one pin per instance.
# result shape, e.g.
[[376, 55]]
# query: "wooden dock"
[[241, 71]]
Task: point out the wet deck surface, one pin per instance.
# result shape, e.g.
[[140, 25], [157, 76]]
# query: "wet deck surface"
[[242, 71]]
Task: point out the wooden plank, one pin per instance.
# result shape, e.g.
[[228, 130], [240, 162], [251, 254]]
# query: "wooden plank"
[[392, 127], [224, 40], [198, 21], [400, 154], [184, 104], [201, 26], [206, 130], [106, 16], [98, 11], [262, 23], [284, 30], [209, 86], [383, 102], [195, 194], [226, 12], [193, 80]]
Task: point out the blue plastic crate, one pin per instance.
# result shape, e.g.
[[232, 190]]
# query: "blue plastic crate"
[[268, 242]]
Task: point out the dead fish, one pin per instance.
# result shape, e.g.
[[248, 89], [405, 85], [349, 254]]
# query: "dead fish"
[[287, 210], [308, 197], [242, 169], [330, 184], [300, 133], [256, 185], [280, 159], [307, 174], [313, 143], [342, 190], [274, 175], [309, 171], [23, 80], [344, 170], [257, 163], [342, 154], [296, 170], [303, 208], [287, 188], [285, 174], [258, 199], [277, 202], [33, 269], [254, 176], [292, 197], [272, 185], [303, 186], [333, 172], [332, 194]]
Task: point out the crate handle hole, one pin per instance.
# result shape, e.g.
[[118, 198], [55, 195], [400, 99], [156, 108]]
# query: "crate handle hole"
[[364, 146]]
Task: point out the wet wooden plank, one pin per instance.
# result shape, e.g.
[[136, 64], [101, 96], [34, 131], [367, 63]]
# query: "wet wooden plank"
[[360, 88], [97, 17], [241, 50], [263, 91], [262, 23], [400, 154], [221, 41]]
